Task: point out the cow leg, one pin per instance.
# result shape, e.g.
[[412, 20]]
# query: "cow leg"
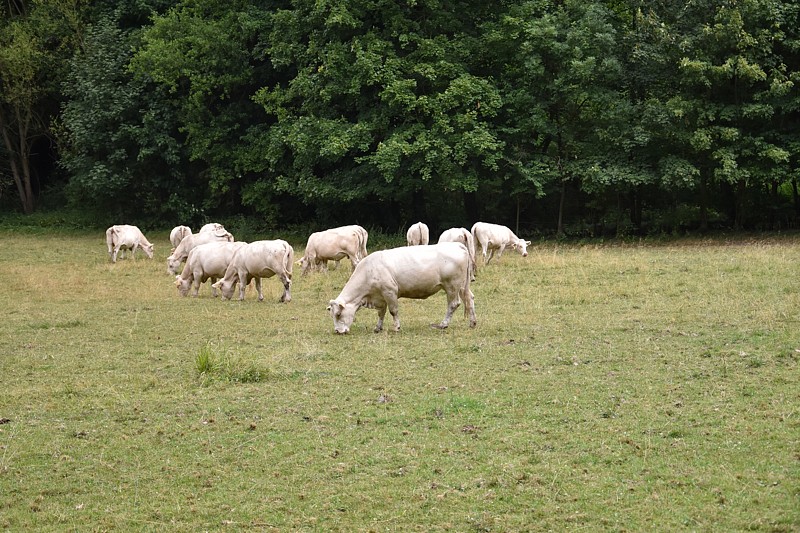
[[491, 254], [453, 302], [287, 285], [258, 289], [196, 286], [469, 307], [213, 288], [244, 281], [381, 313], [394, 311]]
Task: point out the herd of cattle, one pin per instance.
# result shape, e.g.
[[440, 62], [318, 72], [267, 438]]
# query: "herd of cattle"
[[417, 271]]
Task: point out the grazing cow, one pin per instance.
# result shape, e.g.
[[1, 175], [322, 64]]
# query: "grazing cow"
[[178, 233], [491, 237], [206, 261], [463, 236], [363, 236], [217, 229], [181, 252], [407, 272], [259, 259], [332, 245], [125, 237], [418, 234]]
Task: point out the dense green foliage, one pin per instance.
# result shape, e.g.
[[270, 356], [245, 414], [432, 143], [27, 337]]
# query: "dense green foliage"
[[578, 117]]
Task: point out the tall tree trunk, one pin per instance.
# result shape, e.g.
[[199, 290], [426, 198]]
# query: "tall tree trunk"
[[471, 208], [741, 189], [636, 209], [774, 219], [560, 230], [418, 207], [19, 156], [703, 203]]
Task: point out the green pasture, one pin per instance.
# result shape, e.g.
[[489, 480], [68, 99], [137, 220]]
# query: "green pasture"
[[619, 387]]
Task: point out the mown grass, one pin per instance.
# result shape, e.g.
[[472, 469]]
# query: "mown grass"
[[615, 387]]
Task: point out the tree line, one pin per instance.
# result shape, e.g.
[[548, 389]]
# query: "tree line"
[[561, 116]]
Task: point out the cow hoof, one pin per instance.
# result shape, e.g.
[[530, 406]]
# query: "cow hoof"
[[439, 326], [473, 323]]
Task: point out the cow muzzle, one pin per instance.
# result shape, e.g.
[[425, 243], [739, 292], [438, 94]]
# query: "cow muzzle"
[[341, 331]]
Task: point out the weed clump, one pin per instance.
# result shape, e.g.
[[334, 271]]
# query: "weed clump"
[[212, 365]]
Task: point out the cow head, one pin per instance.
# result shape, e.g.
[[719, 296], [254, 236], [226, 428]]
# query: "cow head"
[[148, 250], [522, 247], [343, 315], [173, 264], [183, 285], [226, 286]]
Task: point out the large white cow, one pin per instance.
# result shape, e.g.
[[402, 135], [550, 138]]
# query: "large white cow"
[[418, 234], [178, 233], [491, 237], [126, 237], [463, 236], [407, 272], [259, 259], [181, 252], [333, 245], [206, 261]]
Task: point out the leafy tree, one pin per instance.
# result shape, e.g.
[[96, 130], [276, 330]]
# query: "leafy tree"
[[356, 100], [561, 79], [121, 142], [727, 113], [206, 55], [36, 38]]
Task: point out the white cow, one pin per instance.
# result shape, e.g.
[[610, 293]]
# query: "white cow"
[[332, 245], [259, 259], [407, 272], [491, 237], [363, 236], [125, 237], [206, 261], [181, 252], [418, 234], [178, 233], [217, 229], [463, 236]]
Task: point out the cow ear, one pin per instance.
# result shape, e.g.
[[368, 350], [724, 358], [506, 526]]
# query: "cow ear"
[[527, 243]]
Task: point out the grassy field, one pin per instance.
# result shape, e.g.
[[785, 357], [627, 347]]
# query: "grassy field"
[[617, 387]]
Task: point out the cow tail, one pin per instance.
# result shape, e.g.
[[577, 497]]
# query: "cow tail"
[[473, 265], [465, 290], [361, 245], [288, 259]]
